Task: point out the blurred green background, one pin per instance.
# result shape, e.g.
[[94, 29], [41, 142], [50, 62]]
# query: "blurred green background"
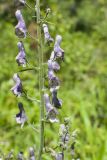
[[83, 74]]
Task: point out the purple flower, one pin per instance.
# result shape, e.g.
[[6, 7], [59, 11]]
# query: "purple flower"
[[58, 51], [55, 101], [59, 156], [47, 36], [53, 65], [20, 156], [31, 154], [20, 29], [53, 80], [19, 3], [21, 57], [54, 84], [51, 111], [17, 88], [21, 116]]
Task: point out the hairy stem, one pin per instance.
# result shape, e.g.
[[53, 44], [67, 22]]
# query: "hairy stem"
[[41, 79]]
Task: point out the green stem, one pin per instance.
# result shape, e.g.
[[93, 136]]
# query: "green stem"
[[41, 79]]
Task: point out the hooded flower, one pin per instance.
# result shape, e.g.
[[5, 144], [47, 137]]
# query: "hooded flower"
[[54, 84], [21, 57], [53, 65], [31, 154], [47, 36], [51, 111], [59, 156], [55, 101], [53, 80], [19, 3], [58, 51], [17, 88], [21, 116], [20, 29]]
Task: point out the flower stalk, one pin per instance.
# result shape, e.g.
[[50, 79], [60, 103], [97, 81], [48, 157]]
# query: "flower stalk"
[[41, 78]]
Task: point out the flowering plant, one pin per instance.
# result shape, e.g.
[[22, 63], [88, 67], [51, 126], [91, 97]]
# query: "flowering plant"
[[49, 102]]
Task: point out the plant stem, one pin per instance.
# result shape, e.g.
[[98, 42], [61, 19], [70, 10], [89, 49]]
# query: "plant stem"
[[41, 79]]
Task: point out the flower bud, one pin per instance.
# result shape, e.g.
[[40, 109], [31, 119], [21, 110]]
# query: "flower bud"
[[31, 154], [19, 3], [64, 134], [48, 38], [66, 121], [20, 156], [48, 10], [59, 156], [73, 148]]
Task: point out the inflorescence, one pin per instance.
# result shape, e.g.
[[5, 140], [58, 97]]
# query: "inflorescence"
[[51, 100]]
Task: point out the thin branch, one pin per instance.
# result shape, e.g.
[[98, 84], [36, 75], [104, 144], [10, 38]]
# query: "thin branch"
[[47, 22], [28, 69], [46, 16], [30, 98], [31, 36], [27, 5], [32, 126], [34, 16]]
